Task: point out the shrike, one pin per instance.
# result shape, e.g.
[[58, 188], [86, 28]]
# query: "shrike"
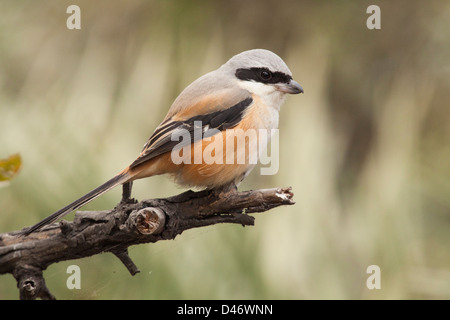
[[245, 93]]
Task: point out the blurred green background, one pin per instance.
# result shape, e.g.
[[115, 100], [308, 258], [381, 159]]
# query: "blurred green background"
[[366, 148]]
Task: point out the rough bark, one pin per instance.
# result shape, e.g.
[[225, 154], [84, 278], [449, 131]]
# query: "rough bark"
[[129, 223]]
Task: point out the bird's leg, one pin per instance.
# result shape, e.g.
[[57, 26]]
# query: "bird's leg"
[[228, 188], [126, 191]]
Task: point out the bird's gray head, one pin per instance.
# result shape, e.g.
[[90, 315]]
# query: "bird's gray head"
[[262, 72]]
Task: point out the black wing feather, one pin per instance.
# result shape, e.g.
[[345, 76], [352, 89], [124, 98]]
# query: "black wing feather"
[[219, 120]]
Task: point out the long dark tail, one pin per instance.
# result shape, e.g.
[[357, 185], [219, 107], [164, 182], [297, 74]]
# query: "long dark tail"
[[118, 179]]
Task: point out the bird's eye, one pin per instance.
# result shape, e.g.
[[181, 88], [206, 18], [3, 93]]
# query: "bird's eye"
[[266, 75]]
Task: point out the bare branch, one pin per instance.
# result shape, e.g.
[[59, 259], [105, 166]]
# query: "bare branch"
[[130, 223]]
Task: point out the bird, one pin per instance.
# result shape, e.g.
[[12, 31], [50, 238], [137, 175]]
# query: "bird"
[[245, 93]]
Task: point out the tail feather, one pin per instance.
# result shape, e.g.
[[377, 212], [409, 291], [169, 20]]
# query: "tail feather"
[[118, 179]]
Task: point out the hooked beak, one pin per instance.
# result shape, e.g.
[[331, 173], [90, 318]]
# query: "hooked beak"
[[293, 87]]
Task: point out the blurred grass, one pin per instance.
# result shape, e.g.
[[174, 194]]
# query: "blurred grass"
[[366, 148]]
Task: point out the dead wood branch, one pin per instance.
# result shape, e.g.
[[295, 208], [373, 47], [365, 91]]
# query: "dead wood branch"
[[128, 224]]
